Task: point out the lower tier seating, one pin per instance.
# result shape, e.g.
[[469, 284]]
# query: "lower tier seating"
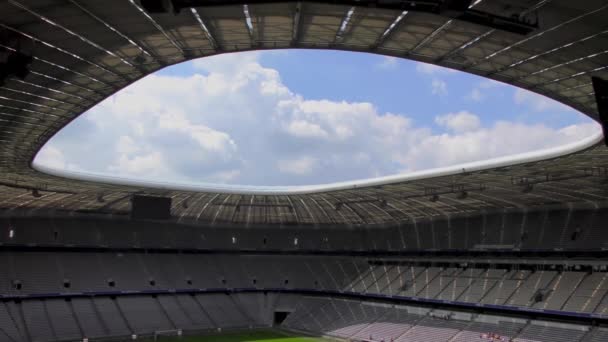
[[412, 324], [544, 288], [45, 320]]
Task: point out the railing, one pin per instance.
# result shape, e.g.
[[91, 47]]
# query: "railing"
[[517, 310]]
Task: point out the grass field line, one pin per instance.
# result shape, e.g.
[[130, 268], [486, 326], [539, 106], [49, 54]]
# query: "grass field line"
[[247, 336]]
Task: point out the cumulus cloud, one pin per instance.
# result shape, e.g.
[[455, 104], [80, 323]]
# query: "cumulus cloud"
[[536, 101], [151, 165], [51, 156], [479, 91], [439, 87], [299, 166], [500, 139], [235, 121], [388, 62], [432, 69], [459, 122], [476, 95], [302, 128], [54, 157]]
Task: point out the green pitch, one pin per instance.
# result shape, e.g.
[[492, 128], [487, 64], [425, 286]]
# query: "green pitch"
[[253, 336]]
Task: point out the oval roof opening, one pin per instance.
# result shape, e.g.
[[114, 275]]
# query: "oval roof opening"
[[295, 118]]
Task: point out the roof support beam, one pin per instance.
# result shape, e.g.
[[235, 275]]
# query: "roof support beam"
[[158, 27], [51, 89], [71, 54], [64, 69], [344, 25], [249, 25], [29, 111], [175, 6], [578, 74], [379, 203], [295, 32], [389, 30], [198, 216], [534, 36], [41, 97], [454, 9], [33, 72], [12, 122], [293, 209], [191, 206], [131, 41], [430, 37], [34, 104], [206, 30], [593, 55], [322, 210], [462, 47], [70, 32], [558, 48]]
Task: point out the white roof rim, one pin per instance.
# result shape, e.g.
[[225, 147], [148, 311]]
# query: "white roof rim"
[[488, 164]]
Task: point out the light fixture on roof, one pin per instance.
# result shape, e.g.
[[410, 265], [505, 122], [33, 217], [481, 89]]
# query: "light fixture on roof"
[[159, 6], [36, 193], [16, 64], [140, 59], [463, 194]]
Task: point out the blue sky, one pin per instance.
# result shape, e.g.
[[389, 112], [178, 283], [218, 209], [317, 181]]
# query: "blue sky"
[[296, 117], [395, 85]]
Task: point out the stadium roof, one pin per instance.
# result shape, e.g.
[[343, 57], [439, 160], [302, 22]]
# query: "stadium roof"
[[84, 51]]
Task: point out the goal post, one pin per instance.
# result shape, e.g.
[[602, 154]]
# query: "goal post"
[[165, 335]]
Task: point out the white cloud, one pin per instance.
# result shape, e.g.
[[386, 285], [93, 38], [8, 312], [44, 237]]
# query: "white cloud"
[[51, 156], [388, 62], [476, 95], [501, 139], [152, 164], [54, 157], [479, 92], [299, 166], [126, 145], [237, 122], [226, 63], [459, 122], [439, 87], [536, 101], [432, 69], [490, 83], [301, 128], [224, 176]]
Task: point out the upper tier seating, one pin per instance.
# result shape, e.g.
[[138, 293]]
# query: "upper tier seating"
[[565, 229]]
